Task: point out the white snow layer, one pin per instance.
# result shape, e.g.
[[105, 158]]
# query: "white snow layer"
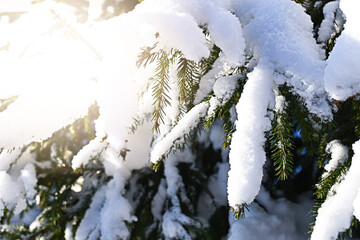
[[247, 155], [327, 27], [184, 126], [47, 78], [282, 32], [208, 80], [87, 152], [339, 153], [336, 212], [89, 227], [224, 87], [17, 185], [173, 219], [342, 74], [224, 28]]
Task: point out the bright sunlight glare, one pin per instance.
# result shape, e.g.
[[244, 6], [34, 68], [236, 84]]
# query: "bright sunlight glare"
[[48, 65]]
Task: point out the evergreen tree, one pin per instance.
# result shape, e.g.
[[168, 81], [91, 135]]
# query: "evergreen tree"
[[180, 120]]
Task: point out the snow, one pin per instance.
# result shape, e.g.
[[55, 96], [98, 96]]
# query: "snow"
[[217, 136], [224, 28], [89, 226], [342, 76], [18, 182], [217, 184], [9, 190], [327, 27], [184, 126], [317, 4], [7, 157], [281, 32], [225, 86], [107, 214], [158, 201], [173, 225], [45, 98], [339, 206], [68, 232], [280, 101], [14, 6], [173, 219], [172, 33], [339, 153], [28, 179], [64, 67], [247, 155], [95, 9], [273, 219], [116, 210], [208, 80], [87, 152], [356, 206], [172, 110]]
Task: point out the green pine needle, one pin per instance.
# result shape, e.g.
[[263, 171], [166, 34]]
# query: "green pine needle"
[[146, 56], [160, 90], [326, 183], [239, 210], [282, 146], [187, 79], [156, 166]]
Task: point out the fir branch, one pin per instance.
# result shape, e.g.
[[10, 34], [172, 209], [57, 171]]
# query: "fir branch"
[[4, 103], [239, 210], [223, 112], [282, 145], [303, 118], [323, 154], [160, 90], [147, 56], [136, 123], [178, 135], [325, 184], [187, 78], [207, 64], [356, 117]]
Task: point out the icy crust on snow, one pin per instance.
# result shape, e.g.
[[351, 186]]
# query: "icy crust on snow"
[[272, 219], [341, 205], [342, 73], [327, 27], [281, 31], [247, 155]]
